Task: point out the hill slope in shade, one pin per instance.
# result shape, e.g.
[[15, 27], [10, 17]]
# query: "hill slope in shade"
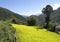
[[6, 14], [31, 34]]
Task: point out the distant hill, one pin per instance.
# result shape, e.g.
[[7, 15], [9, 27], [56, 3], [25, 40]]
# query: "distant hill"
[[6, 14], [24, 16], [55, 16], [58, 9]]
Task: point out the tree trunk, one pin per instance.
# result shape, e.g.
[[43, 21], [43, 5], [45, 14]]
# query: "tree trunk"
[[47, 19]]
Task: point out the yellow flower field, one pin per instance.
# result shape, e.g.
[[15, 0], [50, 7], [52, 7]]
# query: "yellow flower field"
[[31, 34]]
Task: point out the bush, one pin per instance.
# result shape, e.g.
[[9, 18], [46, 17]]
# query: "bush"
[[32, 21], [52, 26], [17, 21], [57, 29], [7, 32]]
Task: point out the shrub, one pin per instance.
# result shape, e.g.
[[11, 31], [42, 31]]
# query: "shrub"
[[52, 26], [32, 21], [7, 32]]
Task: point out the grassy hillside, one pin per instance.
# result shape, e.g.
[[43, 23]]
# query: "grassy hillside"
[[31, 34], [7, 32], [6, 14]]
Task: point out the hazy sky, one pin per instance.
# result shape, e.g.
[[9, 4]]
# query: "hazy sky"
[[28, 7]]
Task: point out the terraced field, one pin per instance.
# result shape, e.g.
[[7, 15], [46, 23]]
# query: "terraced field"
[[31, 34]]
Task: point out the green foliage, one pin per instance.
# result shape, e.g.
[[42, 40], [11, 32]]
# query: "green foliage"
[[7, 32], [47, 10], [54, 27], [17, 21], [6, 14], [32, 21], [52, 24], [55, 17]]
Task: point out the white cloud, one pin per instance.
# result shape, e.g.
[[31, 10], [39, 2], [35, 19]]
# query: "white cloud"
[[55, 6], [40, 11]]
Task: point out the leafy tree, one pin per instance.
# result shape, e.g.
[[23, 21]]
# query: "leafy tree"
[[14, 21], [32, 20], [47, 11]]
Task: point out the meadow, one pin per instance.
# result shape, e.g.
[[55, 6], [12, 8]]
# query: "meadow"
[[31, 34]]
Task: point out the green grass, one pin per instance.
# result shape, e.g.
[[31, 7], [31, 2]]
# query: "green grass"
[[31, 34], [7, 32]]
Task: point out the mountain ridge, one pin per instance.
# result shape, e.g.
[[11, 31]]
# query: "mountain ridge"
[[6, 14]]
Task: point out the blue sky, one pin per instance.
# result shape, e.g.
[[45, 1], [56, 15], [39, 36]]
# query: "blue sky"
[[28, 7]]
